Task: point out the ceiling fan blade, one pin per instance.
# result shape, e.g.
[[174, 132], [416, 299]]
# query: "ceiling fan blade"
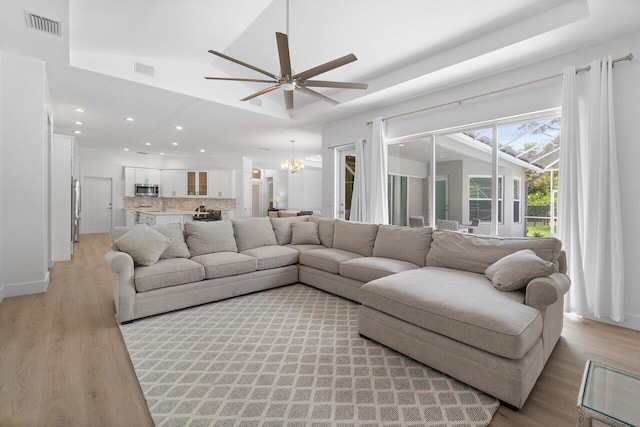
[[283, 54], [240, 80], [244, 64], [262, 92], [345, 85], [326, 67], [288, 99], [317, 95]]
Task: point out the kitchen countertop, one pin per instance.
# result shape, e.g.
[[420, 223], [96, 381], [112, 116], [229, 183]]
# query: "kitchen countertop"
[[164, 212]]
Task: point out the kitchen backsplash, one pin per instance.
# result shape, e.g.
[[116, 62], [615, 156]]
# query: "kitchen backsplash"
[[188, 204]]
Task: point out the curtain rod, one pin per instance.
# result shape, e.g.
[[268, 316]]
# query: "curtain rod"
[[344, 145], [629, 57]]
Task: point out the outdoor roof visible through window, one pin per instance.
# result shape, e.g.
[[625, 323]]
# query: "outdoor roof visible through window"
[[536, 142]]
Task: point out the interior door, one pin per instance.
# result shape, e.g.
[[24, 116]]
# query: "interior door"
[[347, 166], [96, 209], [256, 206]]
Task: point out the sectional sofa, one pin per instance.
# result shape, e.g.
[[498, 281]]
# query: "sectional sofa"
[[485, 310]]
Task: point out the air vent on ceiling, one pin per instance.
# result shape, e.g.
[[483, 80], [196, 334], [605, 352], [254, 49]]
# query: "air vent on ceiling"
[[144, 69], [142, 152], [42, 24]]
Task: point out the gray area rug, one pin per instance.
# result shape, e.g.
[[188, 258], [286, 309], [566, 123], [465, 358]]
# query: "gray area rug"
[[288, 356]]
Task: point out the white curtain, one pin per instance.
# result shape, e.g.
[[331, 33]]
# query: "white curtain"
[[359, 196], [378, 208], [590, 220]]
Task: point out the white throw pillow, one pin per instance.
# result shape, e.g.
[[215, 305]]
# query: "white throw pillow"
[[514, 271], [143, 244], [304, 233]]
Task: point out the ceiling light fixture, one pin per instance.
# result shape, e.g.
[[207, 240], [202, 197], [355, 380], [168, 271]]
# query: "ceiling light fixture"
[[161, 153], [77, 132], [79, 110], [202, 151], [400, 145], [174, 143], [129, 119], [126, 149], [147, 143], [293, 165], [79, 123], [178, 127]]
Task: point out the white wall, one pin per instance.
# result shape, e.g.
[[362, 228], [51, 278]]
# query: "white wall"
[[25, 104], [110, 164], [521, 101], [61, 173]]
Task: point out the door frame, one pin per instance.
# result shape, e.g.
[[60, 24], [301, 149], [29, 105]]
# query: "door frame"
[[258, 183], [340, 154], [82, 196], [445, 179]]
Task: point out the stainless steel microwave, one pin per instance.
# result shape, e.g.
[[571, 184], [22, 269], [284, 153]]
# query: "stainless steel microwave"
[[147, 190]]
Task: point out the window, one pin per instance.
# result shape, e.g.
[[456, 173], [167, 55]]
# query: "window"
[[517, 191], [480, 198]]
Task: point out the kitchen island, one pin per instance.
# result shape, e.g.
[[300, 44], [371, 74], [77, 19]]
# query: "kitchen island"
[[167, 216]]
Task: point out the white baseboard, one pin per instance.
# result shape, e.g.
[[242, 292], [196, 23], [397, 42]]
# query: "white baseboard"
[[631, 321], [19, 289]]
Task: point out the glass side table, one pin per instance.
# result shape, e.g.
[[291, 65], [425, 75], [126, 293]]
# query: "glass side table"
[[608, 395]]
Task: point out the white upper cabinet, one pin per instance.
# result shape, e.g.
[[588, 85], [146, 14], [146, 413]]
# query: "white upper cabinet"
[[174, 183], [221, 184], [147, 176]]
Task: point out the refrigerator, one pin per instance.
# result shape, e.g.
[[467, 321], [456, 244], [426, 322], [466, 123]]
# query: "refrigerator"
[[75, 210]]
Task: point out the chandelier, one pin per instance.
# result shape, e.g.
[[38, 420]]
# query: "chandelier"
[[293, 165]]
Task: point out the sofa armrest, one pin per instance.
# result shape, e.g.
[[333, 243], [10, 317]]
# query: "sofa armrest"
[[124, 290], [544, 291]]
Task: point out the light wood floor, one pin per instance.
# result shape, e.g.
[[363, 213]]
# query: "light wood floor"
[[63, 361]]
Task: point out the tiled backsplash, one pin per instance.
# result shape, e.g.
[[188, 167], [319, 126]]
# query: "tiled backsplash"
[[189, 204]]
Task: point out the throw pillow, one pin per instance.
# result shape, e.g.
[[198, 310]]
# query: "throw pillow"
[[253, 233], [514, 271], [304, 233], [178, 247], [210, 237], [143, 244]]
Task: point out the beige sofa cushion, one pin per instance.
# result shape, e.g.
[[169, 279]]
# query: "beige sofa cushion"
[[282, 227], [328, 260], [461, 305], [403, 243], [355, 237], [304, 248], [514, 271], [223, 264], [253, 233], [326, 228], [143, 244], [210, 237], [167, 272], [178, 247], [305, 233], [468, 252], [367, 269], [273, 256]]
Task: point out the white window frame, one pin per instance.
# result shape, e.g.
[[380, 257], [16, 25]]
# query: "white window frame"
[[517, 183], [490, 199]]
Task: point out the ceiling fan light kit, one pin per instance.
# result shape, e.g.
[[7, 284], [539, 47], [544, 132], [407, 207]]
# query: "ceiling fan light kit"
[[288, 81]]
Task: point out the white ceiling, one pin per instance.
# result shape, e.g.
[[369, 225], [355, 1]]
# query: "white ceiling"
[[405, 48]]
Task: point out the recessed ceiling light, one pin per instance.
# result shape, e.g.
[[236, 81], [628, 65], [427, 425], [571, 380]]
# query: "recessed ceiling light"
[[202, 151], [77, 132], [400, 145], [147, 143], [178, 127], [174, 143], [79, 110], [126, 149], [162, 154], [79, 123], [129, 119]]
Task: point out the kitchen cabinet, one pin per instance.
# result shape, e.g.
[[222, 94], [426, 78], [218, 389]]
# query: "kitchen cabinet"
[[129, 182], [221, 184], [147, 176], [131, 218], [197, 183], [174, 183]]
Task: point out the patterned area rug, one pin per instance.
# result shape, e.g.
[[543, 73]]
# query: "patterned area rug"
[[288, 356]]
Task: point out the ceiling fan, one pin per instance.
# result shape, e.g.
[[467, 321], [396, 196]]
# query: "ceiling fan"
[[287, 81]]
